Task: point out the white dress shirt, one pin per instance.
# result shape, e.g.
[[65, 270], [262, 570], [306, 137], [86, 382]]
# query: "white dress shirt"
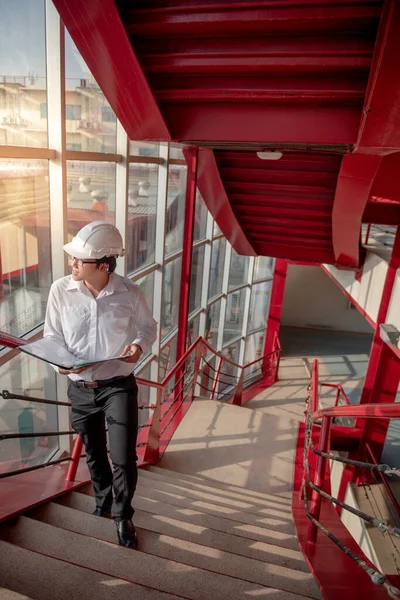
[[93, 328]]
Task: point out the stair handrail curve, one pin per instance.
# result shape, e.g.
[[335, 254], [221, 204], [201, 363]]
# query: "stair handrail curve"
[[168, 400], [325, 416]]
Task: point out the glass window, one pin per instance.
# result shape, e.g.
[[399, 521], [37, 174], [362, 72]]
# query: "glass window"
[[196, 279], [86, 107], [264, 267], [25, 263], [234, 314], [239, 270], [193, 331], [170, 297], [176, 151], [29, 377], [22, 73], [175, 218], [216, 229], [217, 267], [229, 372], [167, 358], [259, 304], [147, 286], [212, 323], [200, 219], [142, 215], [144, 149], [254, 350], [91, 193]]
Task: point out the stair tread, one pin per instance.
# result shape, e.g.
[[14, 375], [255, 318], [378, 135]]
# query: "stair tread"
[[180, 550], [181, 496], [72, 581], [219, 523], [136, 567], [245, 502], [176, 528], [254, 495]]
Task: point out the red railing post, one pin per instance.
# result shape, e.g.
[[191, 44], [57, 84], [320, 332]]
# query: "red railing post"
[[152, 452], [214, 387], [315, 507], [75, 458], [237, 399]]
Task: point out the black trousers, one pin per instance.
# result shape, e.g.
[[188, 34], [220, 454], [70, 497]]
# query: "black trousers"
[[115, 404]]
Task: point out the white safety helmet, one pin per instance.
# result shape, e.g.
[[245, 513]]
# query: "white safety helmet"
[[96, 240]]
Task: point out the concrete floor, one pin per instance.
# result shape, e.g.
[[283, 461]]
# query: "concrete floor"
[[253, 446]]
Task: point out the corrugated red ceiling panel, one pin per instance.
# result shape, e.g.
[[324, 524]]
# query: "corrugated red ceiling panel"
[[256, 71]]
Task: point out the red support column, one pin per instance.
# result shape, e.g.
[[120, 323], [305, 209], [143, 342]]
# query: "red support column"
[[275, 307], [191, 156]]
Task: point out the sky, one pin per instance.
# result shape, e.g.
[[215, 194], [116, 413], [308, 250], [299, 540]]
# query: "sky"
[[22, 41]]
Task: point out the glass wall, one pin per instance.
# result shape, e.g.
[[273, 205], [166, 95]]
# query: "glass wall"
[[23, 82], [142, 190]]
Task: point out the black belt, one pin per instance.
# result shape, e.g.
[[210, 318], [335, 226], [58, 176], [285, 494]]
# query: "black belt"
[[100, 383]]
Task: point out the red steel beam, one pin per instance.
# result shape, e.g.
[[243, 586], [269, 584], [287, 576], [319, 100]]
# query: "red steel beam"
[[386, 182], [99, 34], [295, 252], [302, 123], [275, 305], [223, 18], [214, 194], [379, 131], [382, 213], [191, 155], [353, 188]]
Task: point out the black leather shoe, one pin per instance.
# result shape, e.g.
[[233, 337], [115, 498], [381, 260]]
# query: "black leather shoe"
[[102, 512], [127, 535]]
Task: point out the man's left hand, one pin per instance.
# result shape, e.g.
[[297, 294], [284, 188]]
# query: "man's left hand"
[[132, 353]]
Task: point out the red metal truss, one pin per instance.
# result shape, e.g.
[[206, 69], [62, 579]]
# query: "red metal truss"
[[379, 130], [354, 184], [96, 28], [238, 77], [212, 189]]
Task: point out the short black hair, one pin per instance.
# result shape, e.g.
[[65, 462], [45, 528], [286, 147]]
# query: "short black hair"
[[111, 261]]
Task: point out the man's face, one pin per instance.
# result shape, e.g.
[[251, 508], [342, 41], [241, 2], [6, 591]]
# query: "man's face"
[[82, 268]]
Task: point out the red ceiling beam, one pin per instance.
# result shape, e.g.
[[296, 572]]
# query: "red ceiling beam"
[[300, 124], [223, 18], [387, 183], [98, 32], [353, 188], [295, 252], [379, 130], [382, 213], [213, 191]]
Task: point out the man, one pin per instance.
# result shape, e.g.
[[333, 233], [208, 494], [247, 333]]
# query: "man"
[[95, 313]]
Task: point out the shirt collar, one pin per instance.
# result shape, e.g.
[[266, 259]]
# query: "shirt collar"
[[115, 284]]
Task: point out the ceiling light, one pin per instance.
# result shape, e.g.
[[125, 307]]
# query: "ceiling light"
[[270, 155]]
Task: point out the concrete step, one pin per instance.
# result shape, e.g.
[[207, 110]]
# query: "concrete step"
[[181, 496], [10, 595], [280, 508], [41, 577], [233, 491], [182, 551], [177, 525], [133, 566], [188, 514]]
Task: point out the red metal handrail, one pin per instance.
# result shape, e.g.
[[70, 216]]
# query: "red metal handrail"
[[368, 411], [340, 392], [200, 347]]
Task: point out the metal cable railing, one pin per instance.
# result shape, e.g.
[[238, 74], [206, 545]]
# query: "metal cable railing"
[[186, 372], [313, 512]]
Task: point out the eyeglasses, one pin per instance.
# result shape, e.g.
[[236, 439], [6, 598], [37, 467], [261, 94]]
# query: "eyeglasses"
[[80, 262]]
